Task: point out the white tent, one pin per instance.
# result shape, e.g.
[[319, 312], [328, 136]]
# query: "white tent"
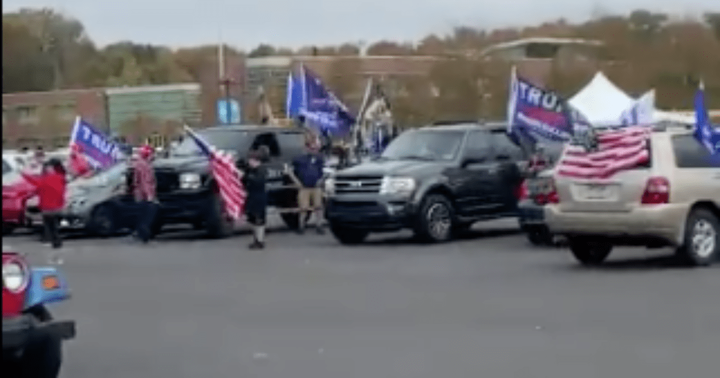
[[604, 104], [601, 101]]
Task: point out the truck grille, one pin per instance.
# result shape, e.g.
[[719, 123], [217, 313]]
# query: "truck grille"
[[351, 185], [166, 181]]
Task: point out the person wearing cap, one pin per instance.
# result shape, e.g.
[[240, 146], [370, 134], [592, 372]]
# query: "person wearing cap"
[[51, 185], [144, 193], [254, 180], [307, 173]]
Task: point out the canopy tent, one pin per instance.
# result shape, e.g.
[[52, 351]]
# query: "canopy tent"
[[601, 101], [603, 104]]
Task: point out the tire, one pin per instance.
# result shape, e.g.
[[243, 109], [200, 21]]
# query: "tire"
[[292, 220], [589, 252], [539, 236], [7, 228], [348, 236], [435, 220], [42, 357], [102, 221], [219, 225], [701, 245]]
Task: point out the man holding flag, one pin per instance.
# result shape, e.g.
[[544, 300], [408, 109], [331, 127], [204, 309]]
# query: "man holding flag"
[[226, 175]]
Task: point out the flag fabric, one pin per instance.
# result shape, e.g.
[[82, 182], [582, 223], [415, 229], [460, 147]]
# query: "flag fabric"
[[535, 113], [294, 100], [704, 132], [641, 112], [226, 175], [320, 107], [617, 150], [97, 148]]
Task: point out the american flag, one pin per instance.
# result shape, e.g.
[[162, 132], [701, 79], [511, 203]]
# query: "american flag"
[[617, 150], [226, 175]]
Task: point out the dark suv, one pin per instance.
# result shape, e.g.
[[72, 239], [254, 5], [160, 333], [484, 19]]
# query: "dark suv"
[[188, 193], [435, 180]]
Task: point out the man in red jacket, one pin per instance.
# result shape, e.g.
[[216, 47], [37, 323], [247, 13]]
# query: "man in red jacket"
[[51, 192], [144, 193]]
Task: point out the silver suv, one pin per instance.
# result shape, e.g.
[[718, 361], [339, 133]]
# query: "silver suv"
[[674, 200]]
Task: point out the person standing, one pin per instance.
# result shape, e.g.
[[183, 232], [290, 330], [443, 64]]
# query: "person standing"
[[144, 191], [51, 185], [254, 180], [307, 174]]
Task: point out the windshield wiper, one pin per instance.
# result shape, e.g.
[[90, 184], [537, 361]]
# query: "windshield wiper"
[[416, 157]]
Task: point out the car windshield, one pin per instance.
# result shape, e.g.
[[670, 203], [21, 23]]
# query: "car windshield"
[[6, 167], [103, 177], [222, 139], [425, 145]]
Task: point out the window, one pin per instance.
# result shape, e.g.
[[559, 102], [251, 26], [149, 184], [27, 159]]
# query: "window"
[[292, 144], [541, 50], [425, 145], [64, 111], [27, 114], [269, 141], [689, 153], [222, 139], [503, 147], [477, 146]]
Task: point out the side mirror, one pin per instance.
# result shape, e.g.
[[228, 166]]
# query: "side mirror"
[[472, 160]]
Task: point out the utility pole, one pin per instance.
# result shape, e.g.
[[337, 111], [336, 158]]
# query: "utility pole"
[[225, 81]]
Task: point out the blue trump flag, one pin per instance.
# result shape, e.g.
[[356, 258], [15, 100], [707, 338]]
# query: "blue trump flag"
[[536, 113], [320, 107], [294, 102], [705, 133], [99, 149]]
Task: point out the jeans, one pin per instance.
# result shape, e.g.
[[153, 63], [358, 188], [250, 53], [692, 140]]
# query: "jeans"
[[145, 220], [51, 225]]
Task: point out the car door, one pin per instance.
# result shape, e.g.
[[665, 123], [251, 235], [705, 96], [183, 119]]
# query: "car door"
[[506, 178], [697, 173], [274, 165], [474, 179]]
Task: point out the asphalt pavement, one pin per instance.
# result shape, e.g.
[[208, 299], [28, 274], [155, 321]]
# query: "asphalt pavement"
[[489, 305]]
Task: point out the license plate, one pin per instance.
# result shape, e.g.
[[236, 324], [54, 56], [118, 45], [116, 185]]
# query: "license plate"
[[596, 192]]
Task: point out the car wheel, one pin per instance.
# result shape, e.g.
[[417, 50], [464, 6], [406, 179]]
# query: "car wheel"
[[42, 356], [701, 246], [435, 223], [348, 236], [589, 252], [539, 236], [292, 220], [102, 221], [219, 224], [7, 228]]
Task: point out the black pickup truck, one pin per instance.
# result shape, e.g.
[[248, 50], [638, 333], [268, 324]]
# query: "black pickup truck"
[[187, 192], [435, 180]]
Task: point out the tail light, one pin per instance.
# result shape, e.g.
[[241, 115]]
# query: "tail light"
[[547, 193], [521, 193], [657, 191]]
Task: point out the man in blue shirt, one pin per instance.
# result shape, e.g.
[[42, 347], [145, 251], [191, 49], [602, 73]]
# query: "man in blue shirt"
[[307, 173]]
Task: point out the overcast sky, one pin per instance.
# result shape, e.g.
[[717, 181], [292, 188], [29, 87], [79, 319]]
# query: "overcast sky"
[[295, 23]]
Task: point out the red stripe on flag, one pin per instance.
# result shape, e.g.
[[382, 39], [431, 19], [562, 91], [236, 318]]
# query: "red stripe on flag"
[[229, 184], [617, 151]]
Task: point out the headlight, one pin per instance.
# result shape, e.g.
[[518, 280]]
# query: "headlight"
[[189, 181], [330, 186], [397, 185], [14, 276]]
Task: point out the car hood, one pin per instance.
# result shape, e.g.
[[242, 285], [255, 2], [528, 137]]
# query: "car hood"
[[183, 163], [394, 168]]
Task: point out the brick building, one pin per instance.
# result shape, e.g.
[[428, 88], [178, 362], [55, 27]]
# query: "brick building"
[[46, 118]]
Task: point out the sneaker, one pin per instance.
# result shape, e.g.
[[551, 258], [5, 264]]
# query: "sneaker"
[[256, 245]]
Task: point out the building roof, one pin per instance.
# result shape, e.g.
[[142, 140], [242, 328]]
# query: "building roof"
[[540, 40], [154, 88]]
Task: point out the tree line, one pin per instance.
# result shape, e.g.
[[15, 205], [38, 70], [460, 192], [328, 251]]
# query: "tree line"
[[45, 50]]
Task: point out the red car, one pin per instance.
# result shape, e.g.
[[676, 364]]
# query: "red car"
[[31, 338], [16, 192]]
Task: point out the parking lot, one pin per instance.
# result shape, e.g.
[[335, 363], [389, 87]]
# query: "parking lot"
[[488, 305]]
